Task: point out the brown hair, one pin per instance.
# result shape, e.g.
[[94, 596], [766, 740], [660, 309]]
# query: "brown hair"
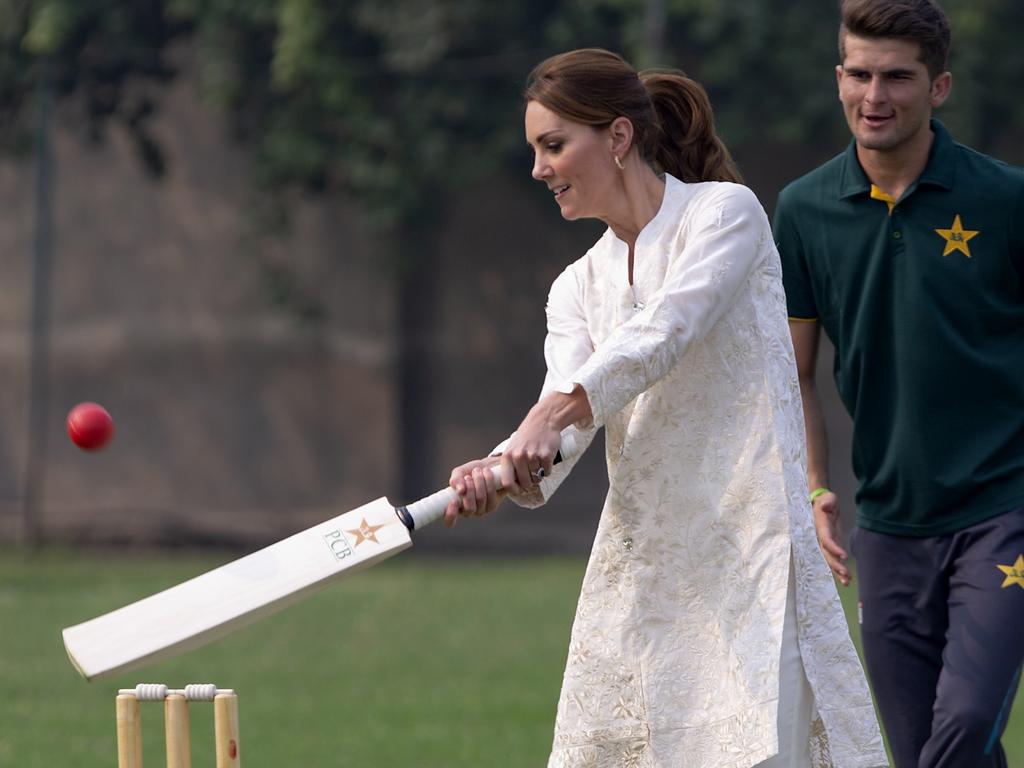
[[673, 123], [916, 21]]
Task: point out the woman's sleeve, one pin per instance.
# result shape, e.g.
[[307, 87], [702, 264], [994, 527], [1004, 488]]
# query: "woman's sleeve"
[[566, 347], [723, 242]]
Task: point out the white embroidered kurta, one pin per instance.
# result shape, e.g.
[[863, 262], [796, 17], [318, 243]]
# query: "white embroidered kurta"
[[674, 654]]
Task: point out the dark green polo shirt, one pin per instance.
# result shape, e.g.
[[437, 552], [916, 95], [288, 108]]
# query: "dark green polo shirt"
[[925, 307]]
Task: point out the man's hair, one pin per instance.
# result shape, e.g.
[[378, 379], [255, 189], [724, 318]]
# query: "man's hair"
[[916, 21]]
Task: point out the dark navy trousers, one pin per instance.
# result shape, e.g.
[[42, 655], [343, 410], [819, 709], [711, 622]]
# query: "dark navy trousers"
[[942, 622]]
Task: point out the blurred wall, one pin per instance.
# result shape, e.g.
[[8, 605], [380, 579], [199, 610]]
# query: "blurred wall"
[[236, 420], [241, 416]]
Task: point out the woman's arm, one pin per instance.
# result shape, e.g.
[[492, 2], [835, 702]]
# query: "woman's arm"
[[725, 238]]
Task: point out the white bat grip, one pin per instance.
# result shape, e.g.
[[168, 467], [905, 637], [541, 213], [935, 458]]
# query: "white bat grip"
[[431, 508]]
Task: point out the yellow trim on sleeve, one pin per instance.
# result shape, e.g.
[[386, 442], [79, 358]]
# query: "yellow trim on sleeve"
[[802, 319]]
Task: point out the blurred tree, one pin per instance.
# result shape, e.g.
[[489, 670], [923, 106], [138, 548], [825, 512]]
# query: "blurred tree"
[[106, 59], [389, 100], [398, 103], [395, 101], [768, 66], [987, 62]]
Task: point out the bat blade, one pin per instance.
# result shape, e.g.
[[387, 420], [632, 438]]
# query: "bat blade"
[[227, 598], [220, 601]]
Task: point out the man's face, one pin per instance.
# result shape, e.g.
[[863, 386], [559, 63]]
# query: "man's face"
[[887, 93]]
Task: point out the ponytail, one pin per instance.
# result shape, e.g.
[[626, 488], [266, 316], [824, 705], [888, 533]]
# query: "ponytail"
[[685, 143], [673, 124]]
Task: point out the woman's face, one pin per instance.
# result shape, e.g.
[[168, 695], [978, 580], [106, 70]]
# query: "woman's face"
[[575, 161]]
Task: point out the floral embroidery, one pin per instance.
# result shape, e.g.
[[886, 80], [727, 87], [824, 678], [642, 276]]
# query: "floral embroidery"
[[674, 655]]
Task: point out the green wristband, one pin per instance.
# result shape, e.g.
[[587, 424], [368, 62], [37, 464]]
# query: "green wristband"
[[818, 492]]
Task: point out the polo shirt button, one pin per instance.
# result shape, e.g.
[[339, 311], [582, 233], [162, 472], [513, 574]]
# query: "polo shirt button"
[[896, 235]]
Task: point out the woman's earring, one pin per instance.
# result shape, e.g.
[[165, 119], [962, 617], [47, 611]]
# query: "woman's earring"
[[618, 162]]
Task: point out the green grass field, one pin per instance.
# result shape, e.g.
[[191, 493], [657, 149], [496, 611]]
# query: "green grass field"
[[419, 662]]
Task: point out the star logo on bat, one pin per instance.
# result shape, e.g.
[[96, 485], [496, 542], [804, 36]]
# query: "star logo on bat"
[[1014, 573], [365, 532]]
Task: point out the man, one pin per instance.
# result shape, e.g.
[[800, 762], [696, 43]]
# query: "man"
[[908, 249]]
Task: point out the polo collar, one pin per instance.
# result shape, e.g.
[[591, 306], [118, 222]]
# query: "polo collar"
[[939, 170], [941, 160]]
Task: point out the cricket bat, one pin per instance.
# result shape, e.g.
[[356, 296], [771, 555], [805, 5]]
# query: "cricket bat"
[[218, 602]]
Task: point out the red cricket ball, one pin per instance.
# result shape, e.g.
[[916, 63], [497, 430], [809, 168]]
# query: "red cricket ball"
[[90, 426]]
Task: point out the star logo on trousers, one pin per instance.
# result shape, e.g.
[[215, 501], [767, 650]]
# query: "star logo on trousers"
[[1014, 573]]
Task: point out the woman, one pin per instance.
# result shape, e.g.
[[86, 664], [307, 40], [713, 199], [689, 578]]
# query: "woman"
[[708, 631]]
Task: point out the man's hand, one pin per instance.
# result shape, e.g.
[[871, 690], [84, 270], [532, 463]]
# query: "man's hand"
[[829, 530]]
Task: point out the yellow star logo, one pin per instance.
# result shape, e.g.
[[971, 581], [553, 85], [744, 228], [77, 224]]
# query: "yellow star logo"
[[1014, 573], [956, 238], [366, 532]]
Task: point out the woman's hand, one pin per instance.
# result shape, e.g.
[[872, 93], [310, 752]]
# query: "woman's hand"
[[477, 492], [527, 459], [530, 452]]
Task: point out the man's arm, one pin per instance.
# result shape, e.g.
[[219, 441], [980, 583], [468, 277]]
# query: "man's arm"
[[806, 334]]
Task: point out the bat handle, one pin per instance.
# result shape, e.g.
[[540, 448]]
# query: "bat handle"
[[432, 507]]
